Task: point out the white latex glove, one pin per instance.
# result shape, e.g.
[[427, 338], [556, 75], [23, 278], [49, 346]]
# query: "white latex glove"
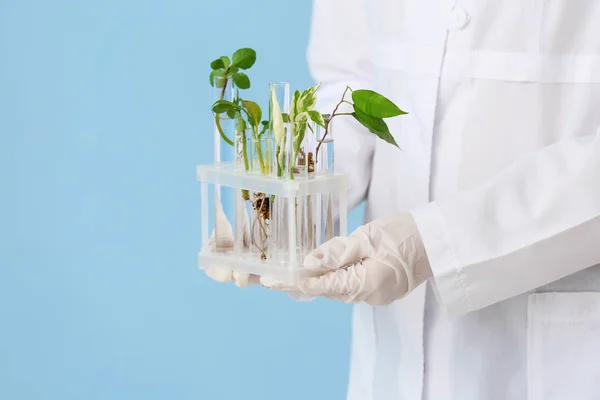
[[378, 263], [225, 239]]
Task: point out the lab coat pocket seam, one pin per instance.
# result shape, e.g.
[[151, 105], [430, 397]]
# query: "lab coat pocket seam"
[[563, 328]]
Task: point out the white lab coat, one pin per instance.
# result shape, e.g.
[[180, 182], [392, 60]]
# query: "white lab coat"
[[501, 169]]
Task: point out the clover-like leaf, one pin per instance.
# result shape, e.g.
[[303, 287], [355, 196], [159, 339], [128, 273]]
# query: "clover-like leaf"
[[241, 80], [217, 78], [226, 62], [217, 64], [244, 58]]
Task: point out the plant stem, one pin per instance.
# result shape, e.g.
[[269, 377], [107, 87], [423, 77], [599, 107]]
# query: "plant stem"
[[245, 151], [218, 117], [261, 160], [333, 114], [225, 84]]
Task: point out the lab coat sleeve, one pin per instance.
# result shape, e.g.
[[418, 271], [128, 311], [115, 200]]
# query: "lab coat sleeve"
[[534, 223], [339, 54]]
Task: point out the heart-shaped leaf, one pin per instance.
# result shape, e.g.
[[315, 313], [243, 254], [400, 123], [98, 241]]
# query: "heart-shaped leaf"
[[374, 104]]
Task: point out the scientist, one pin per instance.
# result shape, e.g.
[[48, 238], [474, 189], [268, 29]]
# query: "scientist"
[[486, 289]]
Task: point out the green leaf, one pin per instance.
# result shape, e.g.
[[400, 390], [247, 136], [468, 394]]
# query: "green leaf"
[[265, 126], [308, 99], [233, 70], [232, 113], [301, 118], [215, 73], [244, 58], [374, 125], [316, 117], [374, 104], [225, 61], [222, 106], [254, 112], [241, 80], [217, 64], [294, 106], [240, 125], [286, 117], [277, 118]]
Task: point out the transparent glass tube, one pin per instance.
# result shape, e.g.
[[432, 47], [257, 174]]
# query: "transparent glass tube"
[[262, 155], [224, 154], [243, 150], [223, 125], [243, 210], [302, 143], [325, 145], [278, 241]]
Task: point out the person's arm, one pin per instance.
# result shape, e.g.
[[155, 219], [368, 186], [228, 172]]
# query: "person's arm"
[[338, 55], [534, 223]]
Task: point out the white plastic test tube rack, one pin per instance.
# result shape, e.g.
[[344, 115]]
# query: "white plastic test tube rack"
[[334, 184]]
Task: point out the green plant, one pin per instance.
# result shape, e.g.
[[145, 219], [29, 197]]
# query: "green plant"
[[301, 111], [247, 115], [224, 68], [370, 109]]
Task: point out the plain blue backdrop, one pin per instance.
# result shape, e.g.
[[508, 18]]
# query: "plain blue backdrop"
[[104, 113]]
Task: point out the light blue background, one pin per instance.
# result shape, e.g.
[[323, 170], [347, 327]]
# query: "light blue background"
[[103, 116]]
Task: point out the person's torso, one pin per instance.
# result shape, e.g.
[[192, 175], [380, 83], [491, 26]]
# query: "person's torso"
[[485, 83]]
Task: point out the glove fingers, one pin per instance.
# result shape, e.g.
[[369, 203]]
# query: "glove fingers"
[[219, 274], [341, 284], [275, 284], [240, 279], [338, 252]]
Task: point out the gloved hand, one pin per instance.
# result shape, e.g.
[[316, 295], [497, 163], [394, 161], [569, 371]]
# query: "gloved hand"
[[378, 263], [224, 239]]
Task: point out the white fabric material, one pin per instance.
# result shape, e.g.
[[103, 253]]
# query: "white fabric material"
[[378, 263], [500, 171]]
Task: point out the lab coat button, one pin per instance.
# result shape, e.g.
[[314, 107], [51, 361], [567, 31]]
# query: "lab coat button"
[[458, 19]]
